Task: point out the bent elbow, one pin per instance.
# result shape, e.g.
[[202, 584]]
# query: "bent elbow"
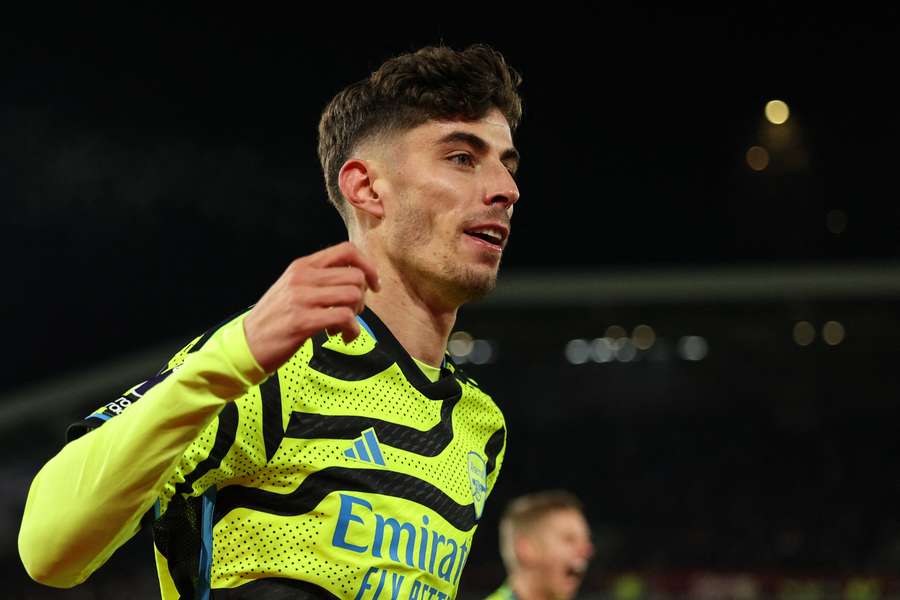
[[43, 561]]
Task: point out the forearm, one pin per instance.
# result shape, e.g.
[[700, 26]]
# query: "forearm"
[[88, 500]]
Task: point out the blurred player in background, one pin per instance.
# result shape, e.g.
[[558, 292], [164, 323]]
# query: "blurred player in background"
[[545, 542]]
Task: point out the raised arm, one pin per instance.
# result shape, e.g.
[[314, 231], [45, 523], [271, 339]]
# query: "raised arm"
[[89, 499]]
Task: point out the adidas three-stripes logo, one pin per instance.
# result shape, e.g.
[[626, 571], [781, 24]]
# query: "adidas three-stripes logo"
[[366, 448]]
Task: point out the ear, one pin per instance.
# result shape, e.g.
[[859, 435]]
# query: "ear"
[[357, 182], [526, 550]]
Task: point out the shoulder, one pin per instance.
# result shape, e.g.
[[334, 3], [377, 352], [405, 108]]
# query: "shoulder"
[[476, 393], [226, 336], [504, 592]]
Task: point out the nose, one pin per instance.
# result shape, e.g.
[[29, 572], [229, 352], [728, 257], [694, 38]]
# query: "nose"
[[502, 189]]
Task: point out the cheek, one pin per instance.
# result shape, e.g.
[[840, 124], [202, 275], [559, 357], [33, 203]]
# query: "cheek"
[[412, 227], [440, 192], [428, 212], [411, 224], [426, 222]]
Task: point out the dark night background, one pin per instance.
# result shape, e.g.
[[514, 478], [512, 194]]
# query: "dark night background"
[[158, 171]]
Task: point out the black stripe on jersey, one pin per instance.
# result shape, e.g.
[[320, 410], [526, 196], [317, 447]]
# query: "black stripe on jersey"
[[460, 374], [346, 367], [492, 449], [227, 429], [273, 588], [356, 367], [270, 395], [444, 387], [225, 435], [387, 351], [177, 536], [79, 428], [318, 485], [346, 427]]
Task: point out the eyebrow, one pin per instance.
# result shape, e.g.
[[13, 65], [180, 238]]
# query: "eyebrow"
[[510, 155]]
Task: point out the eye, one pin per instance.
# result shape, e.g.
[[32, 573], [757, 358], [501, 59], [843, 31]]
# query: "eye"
[[464, 160]]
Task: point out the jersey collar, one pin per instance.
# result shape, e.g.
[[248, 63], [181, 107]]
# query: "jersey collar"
[[444, 387]]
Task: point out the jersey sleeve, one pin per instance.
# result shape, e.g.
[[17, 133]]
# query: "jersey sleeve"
[[88, 500]]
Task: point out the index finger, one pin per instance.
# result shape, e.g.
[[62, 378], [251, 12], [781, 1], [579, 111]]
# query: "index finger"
[[346, 255]]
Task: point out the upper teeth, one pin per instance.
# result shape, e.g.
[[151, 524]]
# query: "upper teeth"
[[492, 233]]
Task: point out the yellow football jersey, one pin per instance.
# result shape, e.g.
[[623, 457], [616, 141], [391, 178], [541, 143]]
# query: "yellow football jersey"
[[346, 474]]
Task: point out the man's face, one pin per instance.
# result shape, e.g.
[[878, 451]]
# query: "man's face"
[[448, 192], [562, 548]]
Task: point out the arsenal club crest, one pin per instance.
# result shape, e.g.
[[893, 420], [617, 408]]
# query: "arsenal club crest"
[[478, 481]]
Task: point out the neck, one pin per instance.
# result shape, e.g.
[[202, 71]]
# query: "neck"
[[527, 586], [420, 324]]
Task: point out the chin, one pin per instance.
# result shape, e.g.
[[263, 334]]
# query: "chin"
[[477, 285], [565, 592]]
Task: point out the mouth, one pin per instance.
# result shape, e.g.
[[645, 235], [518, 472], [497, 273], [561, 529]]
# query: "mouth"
[[492, 236], [576, 570]]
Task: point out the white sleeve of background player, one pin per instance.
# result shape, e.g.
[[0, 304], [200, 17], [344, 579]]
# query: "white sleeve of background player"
[[88, 500]]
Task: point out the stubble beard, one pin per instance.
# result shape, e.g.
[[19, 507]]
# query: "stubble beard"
[[442, 274], [473, 284]]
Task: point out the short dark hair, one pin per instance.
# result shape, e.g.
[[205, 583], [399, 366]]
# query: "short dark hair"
[[435, 82]]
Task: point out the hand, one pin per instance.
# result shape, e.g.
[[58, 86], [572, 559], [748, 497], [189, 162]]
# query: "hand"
[[322, 291]]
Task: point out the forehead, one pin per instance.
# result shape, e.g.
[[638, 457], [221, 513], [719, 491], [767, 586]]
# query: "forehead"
[[493, 128], [562, 520]]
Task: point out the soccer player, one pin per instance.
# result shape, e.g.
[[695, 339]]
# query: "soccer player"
[[322, 444], [545, 543]]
